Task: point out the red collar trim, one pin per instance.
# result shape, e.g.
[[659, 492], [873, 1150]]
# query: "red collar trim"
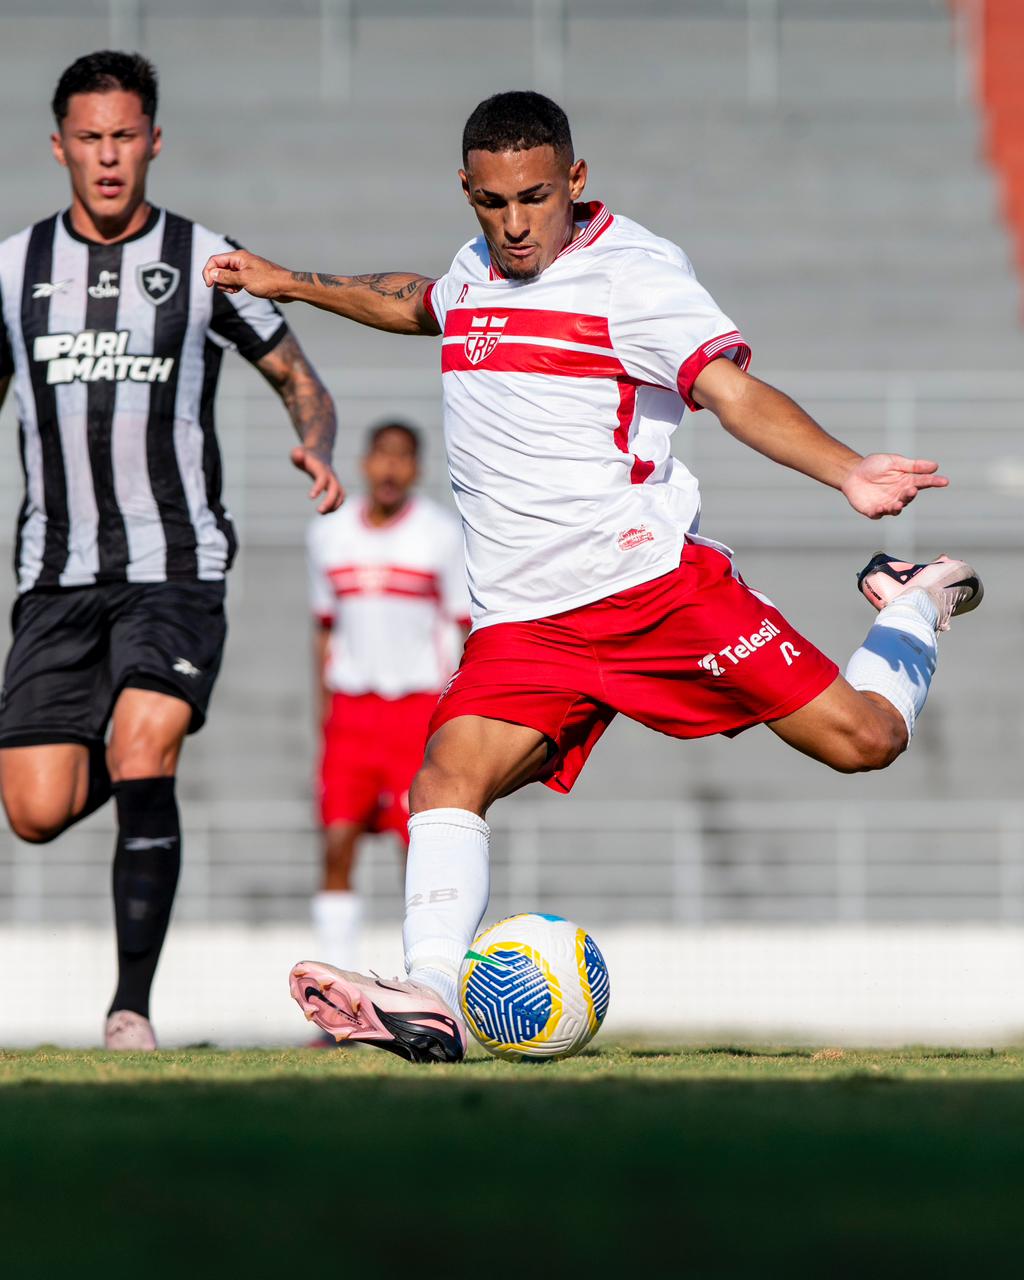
[[598, 219]]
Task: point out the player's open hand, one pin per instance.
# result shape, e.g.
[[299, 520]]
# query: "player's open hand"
[[882, 484], [238, 269], [326, 484]]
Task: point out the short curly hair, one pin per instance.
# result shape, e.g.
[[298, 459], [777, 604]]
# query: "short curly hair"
[[103, 71], [517, 121]]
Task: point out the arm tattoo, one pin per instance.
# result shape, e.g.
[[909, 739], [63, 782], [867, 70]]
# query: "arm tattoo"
[[307, 400], [388, 284]]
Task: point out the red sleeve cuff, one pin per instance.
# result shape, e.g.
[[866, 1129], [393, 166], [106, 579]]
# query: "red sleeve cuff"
[[428, 300], [729, 345], [325, 620]]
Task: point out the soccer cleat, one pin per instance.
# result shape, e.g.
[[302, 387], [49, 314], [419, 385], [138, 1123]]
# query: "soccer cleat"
[[953, 585], [129, 1032], [403, 1017]]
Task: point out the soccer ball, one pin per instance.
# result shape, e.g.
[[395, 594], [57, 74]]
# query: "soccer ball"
[[534, 986]]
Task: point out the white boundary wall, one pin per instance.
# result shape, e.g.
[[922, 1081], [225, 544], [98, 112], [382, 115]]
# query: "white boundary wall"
[[843, 985]]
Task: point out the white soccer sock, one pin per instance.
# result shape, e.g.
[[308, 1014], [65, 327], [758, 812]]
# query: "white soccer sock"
[[447, 883], [898, 656], [337, 917]]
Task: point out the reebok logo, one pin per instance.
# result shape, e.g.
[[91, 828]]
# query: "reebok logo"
[[97, 356], [138, 844], [185, 668], [47, 289]]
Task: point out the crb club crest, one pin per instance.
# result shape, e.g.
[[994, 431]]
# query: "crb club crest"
[[158, 281], [484, 335]]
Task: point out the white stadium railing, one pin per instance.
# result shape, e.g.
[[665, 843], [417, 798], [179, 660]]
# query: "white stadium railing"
[[659, 863], [971, 421], [550, 23]]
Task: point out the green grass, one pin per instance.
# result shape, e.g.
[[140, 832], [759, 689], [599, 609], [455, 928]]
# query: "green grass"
[[691, 1161]]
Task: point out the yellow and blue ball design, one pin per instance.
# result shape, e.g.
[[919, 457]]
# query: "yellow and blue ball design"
[[534, 986]]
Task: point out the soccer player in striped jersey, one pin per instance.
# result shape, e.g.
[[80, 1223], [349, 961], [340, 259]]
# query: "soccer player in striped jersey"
[[572, 343], [113, 347], [388, 590]]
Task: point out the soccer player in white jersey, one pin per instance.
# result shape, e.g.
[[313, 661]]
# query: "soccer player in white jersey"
[[123, 543], [388, 591], [573, 340]]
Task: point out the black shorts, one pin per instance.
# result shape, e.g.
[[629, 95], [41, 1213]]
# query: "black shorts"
[[75, 649]]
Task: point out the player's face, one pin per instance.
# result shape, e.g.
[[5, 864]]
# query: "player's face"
[[391, 470], [523, 201], [106, 144]]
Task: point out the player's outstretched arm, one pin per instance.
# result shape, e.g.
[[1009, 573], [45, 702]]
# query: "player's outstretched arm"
[[876, 485], [390, 300], [311, 410]]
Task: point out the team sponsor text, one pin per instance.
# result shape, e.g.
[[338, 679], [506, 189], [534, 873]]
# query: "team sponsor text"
[[97, 356], [746, 647]]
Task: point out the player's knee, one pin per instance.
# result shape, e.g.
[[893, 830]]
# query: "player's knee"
[[870, 743], [35, 823], [438, 786], [141, 757]]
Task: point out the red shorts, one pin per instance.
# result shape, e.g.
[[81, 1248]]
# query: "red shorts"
[[372, 749], [691, 653]]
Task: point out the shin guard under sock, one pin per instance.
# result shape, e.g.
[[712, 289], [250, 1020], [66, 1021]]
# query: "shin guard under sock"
[[447, 882], [146, 865], [898, 656]]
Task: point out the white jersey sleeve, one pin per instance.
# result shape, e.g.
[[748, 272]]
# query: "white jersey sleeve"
[[449, 290], [666, 327], [253, 326]]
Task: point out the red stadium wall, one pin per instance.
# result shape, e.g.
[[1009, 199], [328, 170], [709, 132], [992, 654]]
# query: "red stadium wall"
[[996, 31]]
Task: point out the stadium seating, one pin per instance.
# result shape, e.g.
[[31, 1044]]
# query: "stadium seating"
[[827, 180]]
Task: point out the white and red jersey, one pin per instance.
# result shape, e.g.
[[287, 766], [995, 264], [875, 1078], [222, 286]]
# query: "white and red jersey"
[[561, 394], [394, 596]]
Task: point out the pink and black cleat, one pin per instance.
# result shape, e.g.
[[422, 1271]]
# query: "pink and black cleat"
[[403, 1017], [953, 585]]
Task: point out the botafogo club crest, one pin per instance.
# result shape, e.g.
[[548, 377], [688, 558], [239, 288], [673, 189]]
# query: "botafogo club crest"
[[484, 335]]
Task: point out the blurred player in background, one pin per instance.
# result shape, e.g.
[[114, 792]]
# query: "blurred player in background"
[[388, 589], [114, 348], [573, 341]]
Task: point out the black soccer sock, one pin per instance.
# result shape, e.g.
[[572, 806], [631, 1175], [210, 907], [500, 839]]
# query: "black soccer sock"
[[99, 780], [146, 865]]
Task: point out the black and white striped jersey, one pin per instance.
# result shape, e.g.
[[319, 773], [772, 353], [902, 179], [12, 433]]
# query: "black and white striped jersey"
[[115, 352]]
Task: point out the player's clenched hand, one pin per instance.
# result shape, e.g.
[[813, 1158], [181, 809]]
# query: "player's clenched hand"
[[325, 483], [239, 269], [882, 484]]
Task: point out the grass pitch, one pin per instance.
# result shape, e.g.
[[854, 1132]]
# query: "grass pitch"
[[696, 1161]]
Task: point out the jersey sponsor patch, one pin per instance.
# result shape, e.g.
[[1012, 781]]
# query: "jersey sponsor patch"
[[636, 537], [105, 287], [97, 356], [745, 647]]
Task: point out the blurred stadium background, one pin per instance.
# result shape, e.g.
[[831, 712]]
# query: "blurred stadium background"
[[832, 168]]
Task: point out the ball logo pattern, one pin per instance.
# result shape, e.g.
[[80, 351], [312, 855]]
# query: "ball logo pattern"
[[534, 986]]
